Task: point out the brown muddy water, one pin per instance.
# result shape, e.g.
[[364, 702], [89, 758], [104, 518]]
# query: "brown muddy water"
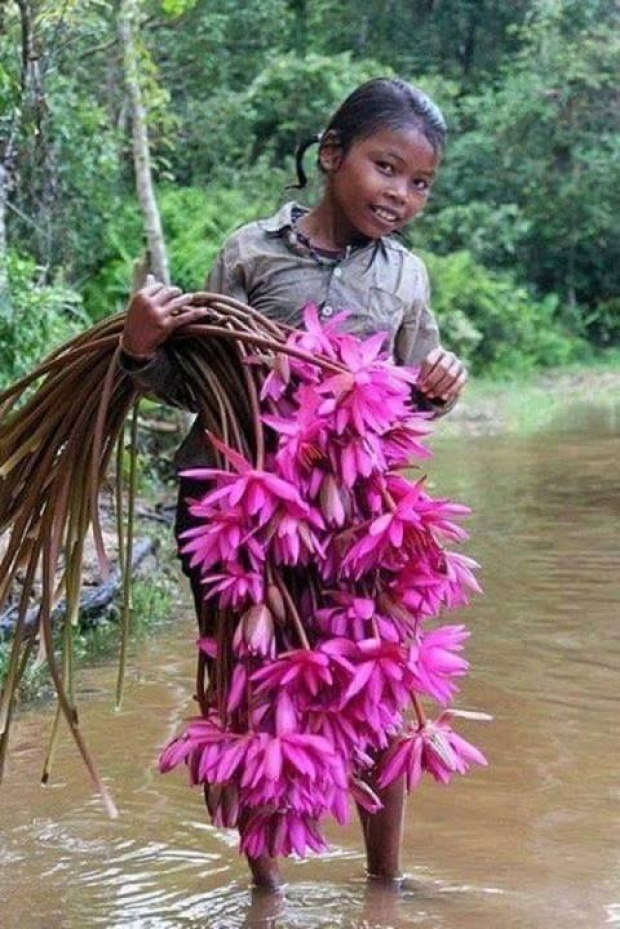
[[532, 842]]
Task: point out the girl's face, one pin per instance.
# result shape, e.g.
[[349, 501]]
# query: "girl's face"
[[380, 183]]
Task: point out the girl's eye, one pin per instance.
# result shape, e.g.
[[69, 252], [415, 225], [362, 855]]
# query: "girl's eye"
[[385, 167], [421, 185]]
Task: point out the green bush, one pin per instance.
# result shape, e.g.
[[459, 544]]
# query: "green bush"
[[602, 324], [493, 322], [195, 221], [34, 318]]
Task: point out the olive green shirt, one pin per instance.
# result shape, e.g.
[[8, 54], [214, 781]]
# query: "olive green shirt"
[[381, 284], [266, 264]]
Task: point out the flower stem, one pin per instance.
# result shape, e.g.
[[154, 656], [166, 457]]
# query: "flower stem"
[[418, 710], [290, 603]]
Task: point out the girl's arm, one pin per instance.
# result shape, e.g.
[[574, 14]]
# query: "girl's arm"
[[442, 374]]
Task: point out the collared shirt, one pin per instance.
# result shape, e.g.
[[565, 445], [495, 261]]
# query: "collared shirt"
[[266, 264], [382, 286]]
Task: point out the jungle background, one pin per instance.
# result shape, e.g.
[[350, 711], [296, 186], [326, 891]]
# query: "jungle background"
[[134, 127]]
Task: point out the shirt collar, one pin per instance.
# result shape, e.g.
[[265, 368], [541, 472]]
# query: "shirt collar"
[[282, 225], [283, 219]]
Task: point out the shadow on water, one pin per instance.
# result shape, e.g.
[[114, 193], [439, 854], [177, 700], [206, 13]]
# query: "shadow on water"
[[529, 843]]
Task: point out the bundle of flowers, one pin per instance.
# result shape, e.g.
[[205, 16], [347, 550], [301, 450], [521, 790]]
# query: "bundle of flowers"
[[325, 565]]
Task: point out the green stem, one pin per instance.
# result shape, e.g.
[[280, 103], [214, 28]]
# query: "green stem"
[[131, 507]]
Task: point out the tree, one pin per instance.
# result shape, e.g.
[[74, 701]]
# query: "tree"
[[532, 176], [128, 26]]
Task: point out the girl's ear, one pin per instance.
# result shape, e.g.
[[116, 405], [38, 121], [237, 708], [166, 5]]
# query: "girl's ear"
[[330, 152]]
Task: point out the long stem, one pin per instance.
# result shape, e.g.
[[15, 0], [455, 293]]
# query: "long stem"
[[127, 601], [418, 710], [292, 609]]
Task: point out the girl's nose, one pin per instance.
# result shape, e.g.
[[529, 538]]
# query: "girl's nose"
[[398, 190]]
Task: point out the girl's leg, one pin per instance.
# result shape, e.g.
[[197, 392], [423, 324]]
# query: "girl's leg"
[[383, 832], [265, 872]]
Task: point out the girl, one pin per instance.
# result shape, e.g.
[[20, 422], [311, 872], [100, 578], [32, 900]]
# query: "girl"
[[379, 155]]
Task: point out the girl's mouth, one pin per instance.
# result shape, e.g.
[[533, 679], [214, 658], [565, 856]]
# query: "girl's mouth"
[[386, 216]]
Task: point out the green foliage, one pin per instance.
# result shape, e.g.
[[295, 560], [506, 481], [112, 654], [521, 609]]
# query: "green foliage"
[[35, 318], [195, 222], [293, 97], [492, 321], [602, 325], [290, 98], [532, 177], [529, 188]]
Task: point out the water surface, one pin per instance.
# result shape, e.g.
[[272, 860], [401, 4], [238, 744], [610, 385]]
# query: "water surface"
[[529, 843]]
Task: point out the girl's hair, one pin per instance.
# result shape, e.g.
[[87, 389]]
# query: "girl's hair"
[[382, 103]]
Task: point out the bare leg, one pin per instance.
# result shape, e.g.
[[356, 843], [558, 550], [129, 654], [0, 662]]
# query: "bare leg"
[[383, 832], [265, 872]]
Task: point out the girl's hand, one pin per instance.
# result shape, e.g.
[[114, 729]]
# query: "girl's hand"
[[153, 314], [442, 376]]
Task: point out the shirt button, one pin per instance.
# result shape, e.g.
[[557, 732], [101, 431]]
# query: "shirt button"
[[337, 272], [327, 311]]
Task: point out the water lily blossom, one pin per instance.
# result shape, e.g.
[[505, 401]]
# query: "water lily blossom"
[[326, 568]]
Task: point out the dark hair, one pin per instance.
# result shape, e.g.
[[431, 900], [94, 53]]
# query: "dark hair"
[[381, 103]]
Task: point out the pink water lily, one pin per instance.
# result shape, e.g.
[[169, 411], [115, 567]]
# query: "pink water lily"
[[282, 832], [434, 662], [255, 632], [235, 587], [433, 747], [402, 442], [371, 394], [332, 564], [303, 671], [219, 537]]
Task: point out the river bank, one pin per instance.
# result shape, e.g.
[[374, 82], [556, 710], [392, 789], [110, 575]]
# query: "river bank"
[[491, 407]]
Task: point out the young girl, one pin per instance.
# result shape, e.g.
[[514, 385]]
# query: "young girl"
[[379, 155]]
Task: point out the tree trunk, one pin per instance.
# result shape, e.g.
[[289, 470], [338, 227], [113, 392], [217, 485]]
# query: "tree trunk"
[[127, 25], [5, 297]]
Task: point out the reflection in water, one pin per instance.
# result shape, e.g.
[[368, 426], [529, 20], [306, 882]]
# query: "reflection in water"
[[529, 843]]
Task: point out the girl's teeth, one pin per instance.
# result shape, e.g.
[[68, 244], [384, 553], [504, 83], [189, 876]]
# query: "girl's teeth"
[[383, 214]]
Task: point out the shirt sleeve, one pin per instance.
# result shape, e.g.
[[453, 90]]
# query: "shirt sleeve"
[[159, 377], [419, 335], [419, 332], [227, 276]]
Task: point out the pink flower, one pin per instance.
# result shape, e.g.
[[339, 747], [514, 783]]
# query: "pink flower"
[[380, 675], [335, 503], [302, 671], [331, 533], [351, 616], [219, 536], [433, 662], [255, 632], [235, 586], [258, 493], [284, 832], [277, 381], [318, 337], [212, 753], [295, 541], [435, 748], [371, 394], [401, 443], [356, 457], [302, 438], [459, 579]]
